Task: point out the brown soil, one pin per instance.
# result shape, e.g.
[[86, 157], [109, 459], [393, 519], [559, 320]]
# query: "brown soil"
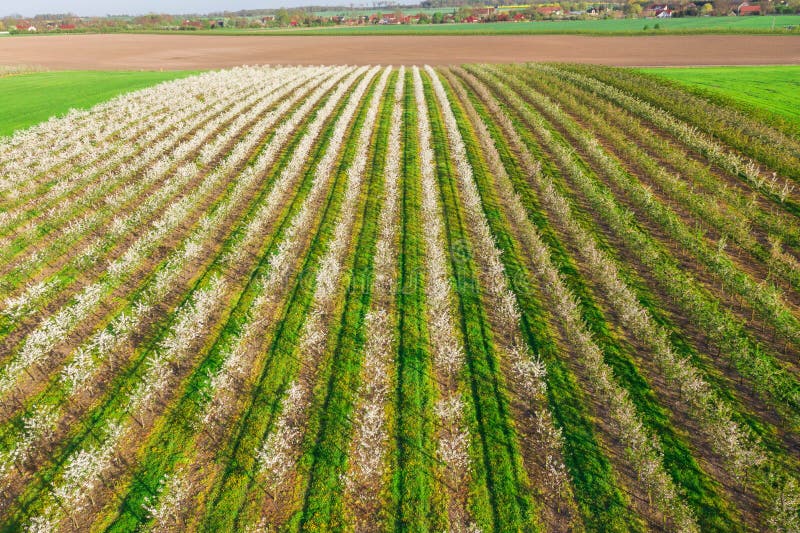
[[109, 52]]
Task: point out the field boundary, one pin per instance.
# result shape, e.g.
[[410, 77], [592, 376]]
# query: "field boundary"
[[176, 52]]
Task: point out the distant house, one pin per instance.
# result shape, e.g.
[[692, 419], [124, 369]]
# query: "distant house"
[[391, 19], [747, 9], [661, 11], [519, 17], [482, 12], [66, 27], [549, 11]]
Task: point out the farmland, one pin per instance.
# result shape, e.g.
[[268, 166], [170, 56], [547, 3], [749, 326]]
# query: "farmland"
[[199, 52], [479, 298]]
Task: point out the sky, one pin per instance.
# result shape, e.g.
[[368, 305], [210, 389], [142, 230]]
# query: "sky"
[[29, 8]]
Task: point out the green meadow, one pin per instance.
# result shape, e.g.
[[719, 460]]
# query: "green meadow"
[[773, 90]]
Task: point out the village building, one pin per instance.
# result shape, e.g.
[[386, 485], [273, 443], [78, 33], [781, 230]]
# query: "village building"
[[745, 9]]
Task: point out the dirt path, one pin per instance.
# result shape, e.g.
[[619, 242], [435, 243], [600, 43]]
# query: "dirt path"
[[133, 52]]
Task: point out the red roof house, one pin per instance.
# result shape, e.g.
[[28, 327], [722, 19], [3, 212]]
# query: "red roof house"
[[549, 11], [747, 9]]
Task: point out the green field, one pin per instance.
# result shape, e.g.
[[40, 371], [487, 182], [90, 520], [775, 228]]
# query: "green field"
[[691, 25], [775, 89], [32, 98]]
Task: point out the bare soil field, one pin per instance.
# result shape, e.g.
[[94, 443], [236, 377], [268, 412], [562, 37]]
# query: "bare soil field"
[[103, 52]]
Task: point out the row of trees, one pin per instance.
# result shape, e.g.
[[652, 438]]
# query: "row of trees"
[[722, 7], [307, 17]]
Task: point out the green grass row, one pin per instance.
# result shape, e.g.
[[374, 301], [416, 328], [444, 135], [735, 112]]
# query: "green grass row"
[[415, 504]]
